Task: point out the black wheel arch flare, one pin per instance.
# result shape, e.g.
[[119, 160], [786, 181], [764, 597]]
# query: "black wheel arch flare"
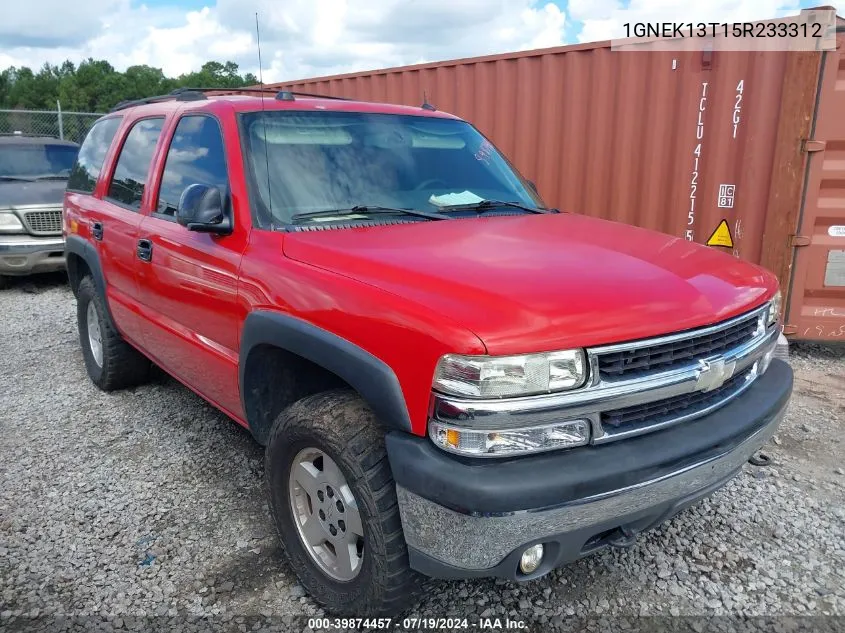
[[80, 247], [373, 379]]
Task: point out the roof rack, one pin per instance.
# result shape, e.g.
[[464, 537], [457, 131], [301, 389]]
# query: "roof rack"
[[290, 95], [180, 94], [198, 94]]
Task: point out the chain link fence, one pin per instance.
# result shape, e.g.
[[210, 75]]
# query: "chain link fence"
[[71, 126]]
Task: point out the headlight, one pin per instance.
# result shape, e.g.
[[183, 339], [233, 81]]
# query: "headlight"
[[505, 442], [9, 223], [504, 376], [774, 308]]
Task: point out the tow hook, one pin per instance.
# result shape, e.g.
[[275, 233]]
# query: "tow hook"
[[624, 537], [760, 459]]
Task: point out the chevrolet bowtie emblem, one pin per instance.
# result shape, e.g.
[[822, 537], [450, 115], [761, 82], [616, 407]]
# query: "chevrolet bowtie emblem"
[[714, 373]]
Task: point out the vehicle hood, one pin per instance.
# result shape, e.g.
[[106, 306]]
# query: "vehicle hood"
[[18, 193], [543, 282]]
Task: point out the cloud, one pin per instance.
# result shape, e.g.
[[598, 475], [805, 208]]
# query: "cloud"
[[177, 49], [299, 38], [325, 37], [52, 23]]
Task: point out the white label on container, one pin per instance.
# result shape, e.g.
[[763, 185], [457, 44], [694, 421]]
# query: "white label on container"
[[834, 272], [836, 230], [726, 196]]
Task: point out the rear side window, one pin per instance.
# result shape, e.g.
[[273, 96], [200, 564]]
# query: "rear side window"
[[133, 164], [92, 154], [195, 156]]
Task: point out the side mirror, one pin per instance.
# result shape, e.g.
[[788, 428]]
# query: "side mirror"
[[201, 209]]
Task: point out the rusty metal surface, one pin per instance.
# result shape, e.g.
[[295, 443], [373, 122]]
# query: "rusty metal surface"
[[675, 142], [816, 308], [785, 192]]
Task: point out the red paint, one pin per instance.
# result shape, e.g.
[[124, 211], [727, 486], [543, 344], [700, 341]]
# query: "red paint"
[[543, 282], [405, 293]]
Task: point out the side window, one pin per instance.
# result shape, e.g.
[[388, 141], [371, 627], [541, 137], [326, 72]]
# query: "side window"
[[133, 164], [196, 156], [92, 154]]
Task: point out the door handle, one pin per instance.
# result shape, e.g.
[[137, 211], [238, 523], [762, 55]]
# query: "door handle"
[[145, 250], [97, 230]]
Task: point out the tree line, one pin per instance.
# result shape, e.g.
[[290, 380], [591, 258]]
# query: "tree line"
[[95, 86]]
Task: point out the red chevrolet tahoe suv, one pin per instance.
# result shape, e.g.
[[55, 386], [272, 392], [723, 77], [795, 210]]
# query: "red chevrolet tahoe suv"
[[450, 379]]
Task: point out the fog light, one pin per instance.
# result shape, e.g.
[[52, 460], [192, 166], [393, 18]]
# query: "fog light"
[[531, 559]]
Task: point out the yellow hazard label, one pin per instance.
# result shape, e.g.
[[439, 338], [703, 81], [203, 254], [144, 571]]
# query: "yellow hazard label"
[[721, 236]]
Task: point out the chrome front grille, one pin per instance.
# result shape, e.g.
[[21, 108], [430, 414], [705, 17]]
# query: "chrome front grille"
[[717, 362], [697, 402], [649, 384], [662, 356], [43, 222]]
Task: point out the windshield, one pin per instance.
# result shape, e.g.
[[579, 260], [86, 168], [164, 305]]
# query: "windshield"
[[339, 160], [36, 161]]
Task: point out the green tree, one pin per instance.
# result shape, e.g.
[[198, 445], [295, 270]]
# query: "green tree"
[[5, 84], [95, 86], [215, 75], [143, 81]]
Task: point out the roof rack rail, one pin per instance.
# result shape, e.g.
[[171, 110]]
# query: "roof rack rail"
[[244, 89], [180, 94], [290, 95], [280, 94], [198, 94]]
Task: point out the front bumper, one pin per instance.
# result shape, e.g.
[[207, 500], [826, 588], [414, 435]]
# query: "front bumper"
[[25, 254], [465, 518]]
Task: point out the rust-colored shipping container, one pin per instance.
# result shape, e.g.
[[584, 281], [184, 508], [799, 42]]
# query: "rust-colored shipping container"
[[742, 149]]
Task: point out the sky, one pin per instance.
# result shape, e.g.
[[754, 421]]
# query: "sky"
[[309, 38]]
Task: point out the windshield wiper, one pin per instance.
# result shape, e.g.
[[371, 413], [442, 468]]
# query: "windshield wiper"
[[487, 205], [51, 177], [366, 209], [22, 178]]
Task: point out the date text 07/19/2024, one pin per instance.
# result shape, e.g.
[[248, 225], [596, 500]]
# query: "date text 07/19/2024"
[[417, 624]]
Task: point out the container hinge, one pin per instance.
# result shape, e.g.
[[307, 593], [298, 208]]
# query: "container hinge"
[[790, 329], [799, 240], [809, 145]]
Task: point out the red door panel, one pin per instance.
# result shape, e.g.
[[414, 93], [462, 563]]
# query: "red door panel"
[[189, 294], [117, 256], [119, 213]]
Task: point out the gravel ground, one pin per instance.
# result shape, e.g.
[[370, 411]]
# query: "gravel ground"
[[146, 507]]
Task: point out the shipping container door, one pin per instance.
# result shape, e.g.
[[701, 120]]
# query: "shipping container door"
[[816, 306]]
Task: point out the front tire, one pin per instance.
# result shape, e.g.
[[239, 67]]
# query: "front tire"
[[334, 502], [110, 361]]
